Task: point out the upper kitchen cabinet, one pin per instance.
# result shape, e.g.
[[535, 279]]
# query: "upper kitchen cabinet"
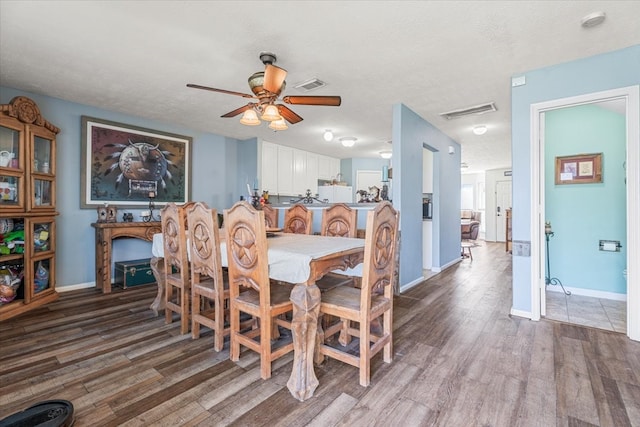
[[288, 171], [427, 171], [269, 168]]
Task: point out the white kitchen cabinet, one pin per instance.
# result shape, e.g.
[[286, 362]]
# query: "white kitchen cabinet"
[[285, 170], [334, 165], [324, 167], [312, 172], [288, 171], [427, 171], [299, 172], [269, 168], [335, 193]]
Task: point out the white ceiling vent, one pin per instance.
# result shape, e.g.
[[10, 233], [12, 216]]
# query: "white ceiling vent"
[[478, 109], [309, 85]]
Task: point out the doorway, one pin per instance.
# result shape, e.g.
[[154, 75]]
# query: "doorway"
[[503, 202], [579, 214], [631, 97]]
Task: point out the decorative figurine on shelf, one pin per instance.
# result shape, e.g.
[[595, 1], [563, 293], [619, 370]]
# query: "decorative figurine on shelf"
[[102, 213], [265, 197], [112, 214]]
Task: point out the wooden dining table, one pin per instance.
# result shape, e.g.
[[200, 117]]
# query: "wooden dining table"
[[302, 260]]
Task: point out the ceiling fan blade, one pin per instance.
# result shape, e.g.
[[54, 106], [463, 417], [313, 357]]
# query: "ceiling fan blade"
[[238, 110], [213, 89], [331, 101], [289, 115], [274, 78]]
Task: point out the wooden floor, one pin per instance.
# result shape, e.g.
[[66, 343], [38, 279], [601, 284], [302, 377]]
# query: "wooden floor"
[[460, 360]]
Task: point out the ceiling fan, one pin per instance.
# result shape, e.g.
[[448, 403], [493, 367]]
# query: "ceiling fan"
[[267, 86]]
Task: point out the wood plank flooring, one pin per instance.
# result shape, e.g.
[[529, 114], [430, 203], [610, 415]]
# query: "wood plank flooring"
[[460, 360]]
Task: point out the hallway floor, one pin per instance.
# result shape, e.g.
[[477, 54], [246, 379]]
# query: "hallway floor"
[[610, 315]]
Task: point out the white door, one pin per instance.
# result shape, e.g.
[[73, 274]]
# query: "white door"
[[503, 202]]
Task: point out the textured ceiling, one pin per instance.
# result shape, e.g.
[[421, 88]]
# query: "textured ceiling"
[[136, 57]]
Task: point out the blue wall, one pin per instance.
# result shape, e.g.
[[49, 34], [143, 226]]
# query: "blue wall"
[[575, 255], [602, 72], [213, 181], [410, 133]]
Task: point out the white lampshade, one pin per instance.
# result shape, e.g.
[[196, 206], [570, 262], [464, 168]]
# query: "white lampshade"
[[480, 130], [270, 113], [348, 141], [328, 135], [278, 125], [386, 154], [250, 118]]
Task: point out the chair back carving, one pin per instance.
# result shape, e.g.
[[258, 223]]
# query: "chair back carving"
[[298, 220], [174, 238], [247, 250], [204, 242], [381, 243], [270, 216], [339, 221]]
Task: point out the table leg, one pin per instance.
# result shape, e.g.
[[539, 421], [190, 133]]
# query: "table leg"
[[157, 268], [306, 307]]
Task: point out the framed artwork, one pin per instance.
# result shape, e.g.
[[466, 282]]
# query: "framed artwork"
[[579, 169], [126, 166]]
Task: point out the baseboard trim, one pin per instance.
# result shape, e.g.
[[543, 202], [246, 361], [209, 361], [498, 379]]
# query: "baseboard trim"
[[520, 313], [76, 287], [411, 284], [444, 267], [589, 293]]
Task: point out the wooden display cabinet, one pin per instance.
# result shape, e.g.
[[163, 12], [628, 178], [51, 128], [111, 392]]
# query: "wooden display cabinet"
[[27, 204]]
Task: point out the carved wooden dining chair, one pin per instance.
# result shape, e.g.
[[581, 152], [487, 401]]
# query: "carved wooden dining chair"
[[209, 291], [373, 300], [251, 291], [339, 220], [175, 256], [298, 220], [270, 216]]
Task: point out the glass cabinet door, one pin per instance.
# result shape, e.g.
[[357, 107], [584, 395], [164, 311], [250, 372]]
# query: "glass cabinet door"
[[42, 235], [42, 193], [42, 275], [42, 161], [11, 192], [10, 154]]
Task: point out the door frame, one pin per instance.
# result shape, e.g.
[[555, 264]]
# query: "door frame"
[[631, 95]]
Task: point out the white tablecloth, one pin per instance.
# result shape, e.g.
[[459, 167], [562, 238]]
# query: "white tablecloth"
[[290, 254]]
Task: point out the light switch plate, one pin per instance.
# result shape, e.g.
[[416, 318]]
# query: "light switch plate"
[[521, 248]]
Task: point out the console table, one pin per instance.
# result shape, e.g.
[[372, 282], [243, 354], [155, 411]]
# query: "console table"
[[105, 233]]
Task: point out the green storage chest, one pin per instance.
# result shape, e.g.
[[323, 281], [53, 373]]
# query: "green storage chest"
[[134, 273]]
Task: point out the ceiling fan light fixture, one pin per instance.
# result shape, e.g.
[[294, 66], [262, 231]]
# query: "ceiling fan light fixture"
[[278, 125], [328, 135], [271, 113], [348, 141], [386, 154], [250, 118], [480, 129]]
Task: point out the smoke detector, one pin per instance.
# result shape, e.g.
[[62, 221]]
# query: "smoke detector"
[[593, 19]]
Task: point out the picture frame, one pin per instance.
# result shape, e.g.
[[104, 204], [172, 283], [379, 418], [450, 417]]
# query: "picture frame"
[[579, 169], [122, 165]]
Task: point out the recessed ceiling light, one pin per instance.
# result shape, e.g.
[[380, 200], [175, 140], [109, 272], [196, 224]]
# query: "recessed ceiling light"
[[386, 154], [593, 19], [328, 135], [480, 130]]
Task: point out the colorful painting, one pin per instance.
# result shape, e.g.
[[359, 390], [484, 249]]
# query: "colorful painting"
[[126, 166]]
